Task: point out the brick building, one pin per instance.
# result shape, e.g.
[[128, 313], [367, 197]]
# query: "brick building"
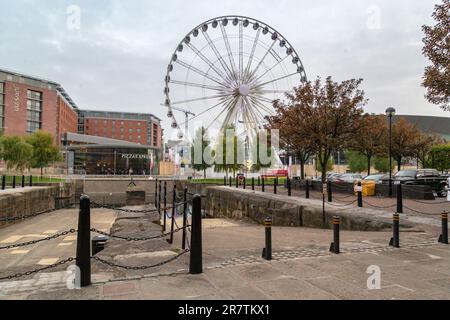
[[28, 104]]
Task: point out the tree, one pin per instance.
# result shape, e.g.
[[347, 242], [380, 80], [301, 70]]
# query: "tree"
[[293, 139], [221, 161], [356, 161], [436, 48], [329, 166], [200, 143], [331, 115], [44, 151], [371, 138], [16, 152], [405, 136], [423, 146], [440, 155], [381, 164]]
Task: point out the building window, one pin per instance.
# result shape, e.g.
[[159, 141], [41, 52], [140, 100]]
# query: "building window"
[[34, 111], [139, 124], [130, 130], [2, 106], [139, 131], [155, 135]]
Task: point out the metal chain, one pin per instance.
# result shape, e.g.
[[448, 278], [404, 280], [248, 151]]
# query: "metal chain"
[[56, 235], [341, 205], [381, 207], [429, 203], [136, 238], [132, 210], [426, 213], [112, 264], [27, 273]]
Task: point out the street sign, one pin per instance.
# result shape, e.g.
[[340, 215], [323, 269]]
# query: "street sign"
[[324, 189]]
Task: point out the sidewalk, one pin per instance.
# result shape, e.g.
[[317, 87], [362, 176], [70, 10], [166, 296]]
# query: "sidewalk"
[[302, 268]]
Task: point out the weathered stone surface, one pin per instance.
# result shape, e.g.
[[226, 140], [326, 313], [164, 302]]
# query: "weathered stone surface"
[[135, 197]]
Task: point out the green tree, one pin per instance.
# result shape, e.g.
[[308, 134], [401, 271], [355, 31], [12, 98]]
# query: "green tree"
[[44, 151], [440, 157], [200, 162], [221, 161], [330, 165], [356, 161], [381, 164], [16, 152]]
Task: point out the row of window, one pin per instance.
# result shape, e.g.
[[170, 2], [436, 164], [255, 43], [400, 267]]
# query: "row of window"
[[2, 103], [34, 111], [113, 122]]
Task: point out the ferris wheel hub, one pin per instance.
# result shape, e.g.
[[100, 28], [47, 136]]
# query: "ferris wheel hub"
[[244, 89]]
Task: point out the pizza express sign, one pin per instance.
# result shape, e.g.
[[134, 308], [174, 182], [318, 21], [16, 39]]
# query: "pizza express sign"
[[135, 156]]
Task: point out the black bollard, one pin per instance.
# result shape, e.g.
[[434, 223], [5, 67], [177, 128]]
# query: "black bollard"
[[330, 194], [83, 259], [335, 247], [443, 238], [289, 186], [165, 206], [253, 183], [183, 241], [267, 251], [399, 199], [23, 181], [360, 203], [237, 182], [275, 184], [224, 180], [229, 181], [195, 262], [156, 193], [31, 181], [172, 221], [395, 240], [14, 182], [262, 184], [159, 200], [307, 189], [245, 183], [3, 182]]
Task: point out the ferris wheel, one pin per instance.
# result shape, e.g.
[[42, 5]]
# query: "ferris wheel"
[[228, 71]]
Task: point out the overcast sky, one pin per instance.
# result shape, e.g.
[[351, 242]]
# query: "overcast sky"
[[117, 58]]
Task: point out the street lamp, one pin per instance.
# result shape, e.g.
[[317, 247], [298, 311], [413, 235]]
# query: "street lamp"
[[389, 113]]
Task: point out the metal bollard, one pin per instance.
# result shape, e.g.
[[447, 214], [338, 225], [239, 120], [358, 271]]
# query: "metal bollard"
[[159, 200], [395, 240], [172, 221], [307, 189], [399, 199], [224, 180], [23, 181], [335, 247], [275, 184], [14, 182], [165, 205], [262, 184], [253, 183], [360, 203], [83, 259], [229, 182], [183, 241], [3, 182], [237, 182], [245, 183], [330, 193], [443, 237], [267, 251], [289, 186], [156, 193], [31, 181], [195, 261]]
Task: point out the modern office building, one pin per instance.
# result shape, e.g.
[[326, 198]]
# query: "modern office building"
[[28, 104]]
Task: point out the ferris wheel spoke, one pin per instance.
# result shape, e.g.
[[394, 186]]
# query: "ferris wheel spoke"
[[228, 106], [261, 105], [264, 57], [208, 62], [241, 48], [270, 69], [251, 110], [260, 97], [250, 58], [222, 102], [200, 99], [274, 80], [225, 67], [197, 85], [228, 47], [200, 72], [275, 91]]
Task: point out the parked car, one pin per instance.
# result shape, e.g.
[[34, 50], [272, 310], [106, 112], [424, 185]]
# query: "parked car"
[[348, 178], [333, 176], [377, 178], [430, 177]]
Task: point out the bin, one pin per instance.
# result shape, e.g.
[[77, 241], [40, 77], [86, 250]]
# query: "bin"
[[368, 188]]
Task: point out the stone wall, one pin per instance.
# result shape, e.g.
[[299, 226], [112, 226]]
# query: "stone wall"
[[290, 211], [29, 200]]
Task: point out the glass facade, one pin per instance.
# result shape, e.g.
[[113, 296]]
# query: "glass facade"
[[34, 111], [114, 161]]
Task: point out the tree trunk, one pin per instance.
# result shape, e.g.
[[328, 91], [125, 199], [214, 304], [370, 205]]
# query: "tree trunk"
[[41, 172], [204, 173], [399, 163], [368, 165], [302, 169]]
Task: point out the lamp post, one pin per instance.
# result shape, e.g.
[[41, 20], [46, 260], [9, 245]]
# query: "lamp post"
[[389, 113]]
